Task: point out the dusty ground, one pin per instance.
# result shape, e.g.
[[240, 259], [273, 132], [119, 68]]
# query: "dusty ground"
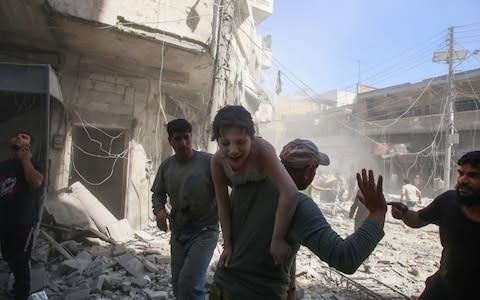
[[402, 261]]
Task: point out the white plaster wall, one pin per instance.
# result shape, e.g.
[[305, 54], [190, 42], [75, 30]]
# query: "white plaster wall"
[[111, 101], [345, 97], [295, 105], [106, 96], [59, 158], [138, 207], [167, 15], [250, 43], [102, 87]]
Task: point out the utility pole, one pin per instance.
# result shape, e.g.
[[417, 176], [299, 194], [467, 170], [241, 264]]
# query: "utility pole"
[[451, 138], [220, 69]]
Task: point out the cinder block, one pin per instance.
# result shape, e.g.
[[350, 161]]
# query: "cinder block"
[[97, 284], [156, 295], [78, 294], [132, 265]]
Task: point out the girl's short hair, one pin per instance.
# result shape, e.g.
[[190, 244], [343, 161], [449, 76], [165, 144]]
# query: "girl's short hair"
[[232, 116]]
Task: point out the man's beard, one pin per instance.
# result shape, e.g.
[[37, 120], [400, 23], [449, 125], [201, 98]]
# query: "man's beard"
[[467, 195]]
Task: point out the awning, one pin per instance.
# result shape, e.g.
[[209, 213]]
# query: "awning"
[[35, 79]]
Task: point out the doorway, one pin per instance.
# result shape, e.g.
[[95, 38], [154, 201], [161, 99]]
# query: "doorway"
[[99, 162]]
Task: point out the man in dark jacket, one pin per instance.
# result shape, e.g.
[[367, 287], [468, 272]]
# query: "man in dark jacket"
[[20, 181], [457, 214]]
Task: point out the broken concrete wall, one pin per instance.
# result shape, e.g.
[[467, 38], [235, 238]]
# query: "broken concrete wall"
[[190, 18], [102, 96], [127, 80], [102, 101], [141, 179]]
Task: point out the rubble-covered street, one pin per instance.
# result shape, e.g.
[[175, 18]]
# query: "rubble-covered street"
[[403, 260], [118, 114], [69, 265], [137, 269]]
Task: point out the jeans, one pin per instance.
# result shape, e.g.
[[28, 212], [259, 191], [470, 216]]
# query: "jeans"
[[190, 257]]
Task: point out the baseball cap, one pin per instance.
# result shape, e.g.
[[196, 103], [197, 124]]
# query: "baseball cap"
[[301, 153]]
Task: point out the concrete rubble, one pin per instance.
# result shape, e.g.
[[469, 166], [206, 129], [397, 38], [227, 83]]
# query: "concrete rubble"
[[139, 267], [402, 261], [131, 270]]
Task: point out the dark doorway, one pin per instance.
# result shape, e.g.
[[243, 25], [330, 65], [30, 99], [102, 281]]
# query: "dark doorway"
[[99, 162]]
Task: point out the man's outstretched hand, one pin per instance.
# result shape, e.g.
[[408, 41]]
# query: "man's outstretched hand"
[[372, 192], [398, 210]]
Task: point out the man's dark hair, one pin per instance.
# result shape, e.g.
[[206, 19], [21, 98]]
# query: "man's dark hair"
[[178, 125], [470, 158], [232, 116], [406, 181]]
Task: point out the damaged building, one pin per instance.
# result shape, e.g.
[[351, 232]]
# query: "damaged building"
[[399, 131], [125, 68], [408, 127]]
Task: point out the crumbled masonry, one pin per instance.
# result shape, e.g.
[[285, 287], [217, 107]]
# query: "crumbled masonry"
[[139, 268]]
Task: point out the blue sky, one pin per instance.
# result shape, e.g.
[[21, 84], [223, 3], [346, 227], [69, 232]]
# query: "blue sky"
[[323, 43]]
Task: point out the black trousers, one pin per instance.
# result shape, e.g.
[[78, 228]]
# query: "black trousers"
[[16, 245]]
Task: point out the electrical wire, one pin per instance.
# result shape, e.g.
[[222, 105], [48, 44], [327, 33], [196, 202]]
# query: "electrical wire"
[[100, 130], [435, 38], [477, 102], [160, 105], [153, 23], [121, 155], [392, 104], [406, 111], [95, 183]]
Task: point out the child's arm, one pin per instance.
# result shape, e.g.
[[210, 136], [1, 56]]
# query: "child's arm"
[[221, 195], [287, 203]]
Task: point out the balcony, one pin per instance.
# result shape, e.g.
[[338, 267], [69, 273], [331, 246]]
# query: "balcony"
[[267, 52], [266, 58], [261, 10]]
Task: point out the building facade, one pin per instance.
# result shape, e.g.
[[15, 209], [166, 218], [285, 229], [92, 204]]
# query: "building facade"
[[397, 131], [126, 68], [408, 125]]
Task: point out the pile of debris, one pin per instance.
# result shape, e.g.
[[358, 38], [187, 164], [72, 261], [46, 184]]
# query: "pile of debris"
[[396, 269], [84, 252], [72, 269], [100, 257]]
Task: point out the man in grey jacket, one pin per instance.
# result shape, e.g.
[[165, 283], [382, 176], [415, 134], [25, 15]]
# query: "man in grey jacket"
[[185, 179]]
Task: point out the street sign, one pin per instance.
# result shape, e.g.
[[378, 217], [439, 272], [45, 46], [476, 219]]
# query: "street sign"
[[443, 56]]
